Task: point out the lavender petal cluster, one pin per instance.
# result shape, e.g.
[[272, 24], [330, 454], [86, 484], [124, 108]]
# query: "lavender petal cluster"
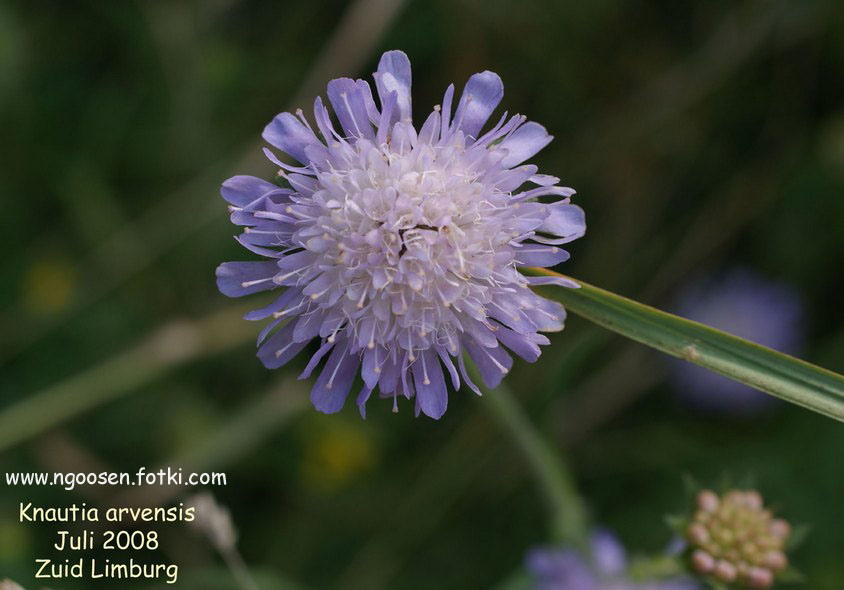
[[399, 248], [605, 568]]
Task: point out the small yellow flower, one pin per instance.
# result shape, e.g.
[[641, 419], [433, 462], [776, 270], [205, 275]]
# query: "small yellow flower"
[[336, 456]]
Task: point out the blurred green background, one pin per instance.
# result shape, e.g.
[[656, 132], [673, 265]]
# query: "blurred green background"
[[699, 135]]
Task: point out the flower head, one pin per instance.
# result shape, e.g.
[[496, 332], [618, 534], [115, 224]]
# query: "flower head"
[[749, 306], [735, 540], [399, 248], [606, 568]]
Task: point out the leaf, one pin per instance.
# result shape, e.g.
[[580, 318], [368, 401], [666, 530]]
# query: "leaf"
[[764, 369]]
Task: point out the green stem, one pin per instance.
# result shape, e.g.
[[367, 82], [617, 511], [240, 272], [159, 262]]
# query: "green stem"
[[568, 513], [767, 370]]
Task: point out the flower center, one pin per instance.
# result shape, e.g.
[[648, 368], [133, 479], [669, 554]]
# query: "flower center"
[[409, 235]]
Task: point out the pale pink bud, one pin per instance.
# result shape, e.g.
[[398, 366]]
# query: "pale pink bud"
[[776, 560], [708, 501], [698, 534], [760, 577], [725, 571], [753, 499], [780, 528], [702, 562]]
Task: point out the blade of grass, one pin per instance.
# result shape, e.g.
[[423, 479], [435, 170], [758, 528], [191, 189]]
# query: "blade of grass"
[[764, 369], [174, 344]]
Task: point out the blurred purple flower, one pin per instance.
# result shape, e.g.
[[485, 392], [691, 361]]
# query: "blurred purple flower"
[[399, 249], [562, 568], [746, 305]]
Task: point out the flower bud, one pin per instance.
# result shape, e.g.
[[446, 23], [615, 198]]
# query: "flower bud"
[[776, 560], [698, 534], [708, 501], [753, 499], [780, 528], [725, 571], [702, 562], [734, 539], [760, 578]]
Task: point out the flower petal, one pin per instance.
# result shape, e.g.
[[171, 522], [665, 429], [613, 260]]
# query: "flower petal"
[[370, 367], [492, 363], [446, 360], [465, 374], [363, 396], [368, 101], [277, 305], [481, 95], [349, 104], [547, 315], [388, 106], [389, 379], [280, 348], [553, 280], [524, 143], [240, 191], [446, 111], [512, 179], [430, 384], [540, 255], [334, 382], [290, 135], [317, 356], [236, 279], [394, 75], [523, 345], [565, 220]]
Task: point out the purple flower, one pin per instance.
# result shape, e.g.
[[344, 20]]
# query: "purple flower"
[[751, 307], [399, 249], [563, 568]]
